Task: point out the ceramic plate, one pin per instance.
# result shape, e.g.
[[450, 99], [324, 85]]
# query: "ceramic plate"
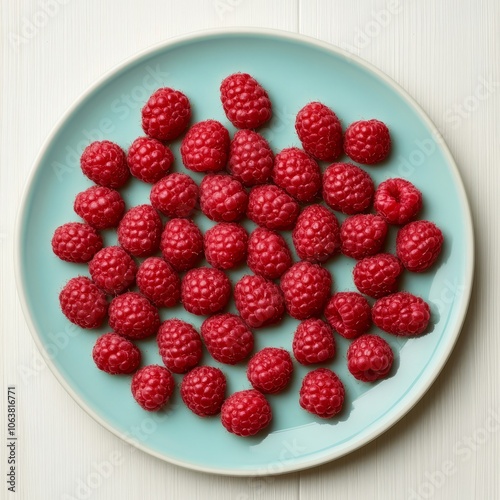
[[295, 70]]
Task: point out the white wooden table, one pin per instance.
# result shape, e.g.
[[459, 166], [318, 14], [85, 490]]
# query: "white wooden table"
[[446, 54]]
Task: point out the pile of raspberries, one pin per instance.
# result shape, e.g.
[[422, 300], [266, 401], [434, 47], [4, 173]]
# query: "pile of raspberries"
[[157, 264]]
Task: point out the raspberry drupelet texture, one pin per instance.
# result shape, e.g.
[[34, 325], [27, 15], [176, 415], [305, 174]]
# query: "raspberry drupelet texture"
[[166, 115], [313, 342], [175, 195], [76, 242], [158, 282], [149, 160], [100, 207], [115, 354], [225, 245], [367, 141], [319, 131], [347, 188], [398, 201], [362, 235], [297, 173], [83, 303], [270, 370], [378, 275], [316, 235], [245, 101], [349, 314], [152, 387], [369, 358]]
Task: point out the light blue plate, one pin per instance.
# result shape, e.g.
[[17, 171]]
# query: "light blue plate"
[[294, 70]]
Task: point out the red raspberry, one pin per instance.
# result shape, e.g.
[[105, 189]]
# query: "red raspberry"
[[259, 301], [104, 163], [100, 207], [227, 338], [149, 160], [158, 282], [245, 413], [133, 316], [113, 270], [116, 355], [306, 288], [180, 345], [401, 314], [268, 254], [378, 275], [316, 234], [319, 131], [347, 188], [245, 101], [76, 242], [166, 114], [222, 198], [205, 147], [270, 370], [175, 195], [270, 207], [322, 393], [369, 358], [349, 313], [203, 390], [139, 231], [398, 201], [362, 235], [182, 244], [313, 342], [205, 291], [418, 245], [297, 173], [225, 245], [250, 158], [83, 303], [367, 141], [152, 387]]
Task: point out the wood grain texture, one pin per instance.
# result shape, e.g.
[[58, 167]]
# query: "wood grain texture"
[[440, 52]]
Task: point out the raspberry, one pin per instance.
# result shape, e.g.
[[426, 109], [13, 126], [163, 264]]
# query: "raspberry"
[[205, 291], [203, 390], [225, 245], [250, 158], [362, 235], [245, 413], [83, 303], [76, 242], [175, 195], [149, 160], [133, 316], [152, 387], [398, 201], [270, 370], [401, 314], [222, 198], [378, 275], [116, 355], [166, 114], [259, 301], [367, 141], [418, 245], [270, 207], [316, 234], [319, 131], [113, 270], [369, 358], [297, 173], [313, 342], [158, 282], [180, 345], [347, 188], [104, 163], [100, 207], [205, 147], [181, 244], [139, 231], [322, 393], [227, 338], [268, 254], [306, 288], [349, 313], [245, 102]]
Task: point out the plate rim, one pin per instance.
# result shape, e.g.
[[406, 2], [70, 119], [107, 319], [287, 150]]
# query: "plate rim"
[[283, 35]]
